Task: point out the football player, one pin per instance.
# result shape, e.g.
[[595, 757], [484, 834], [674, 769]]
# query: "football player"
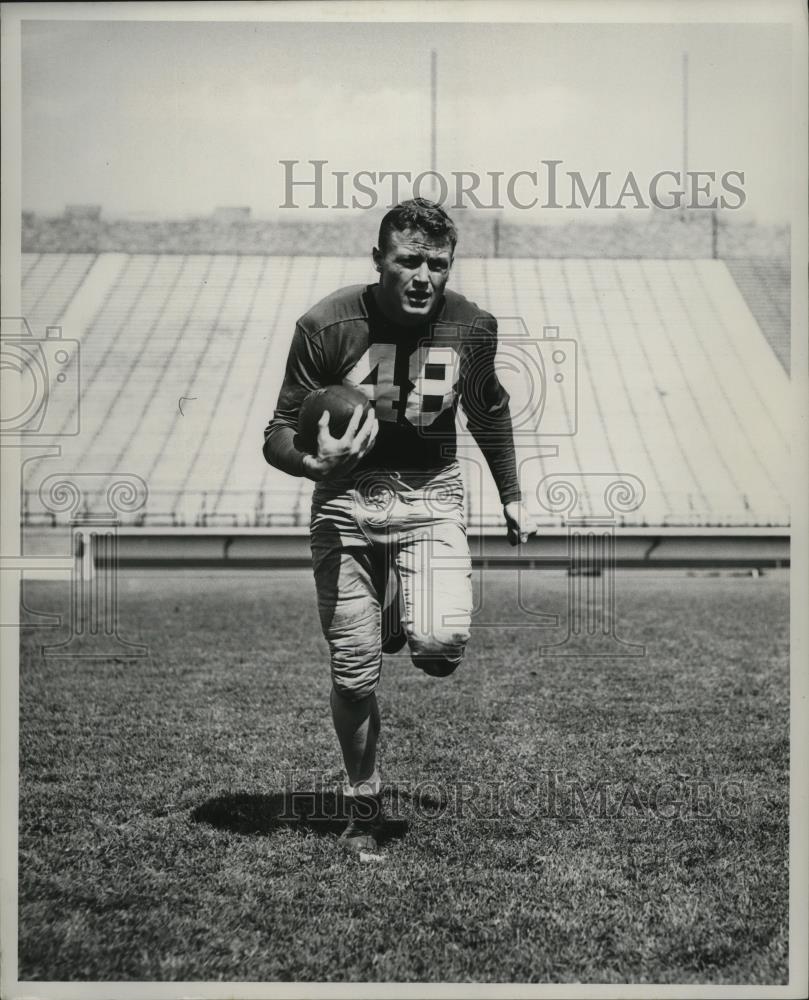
[[387, 524]]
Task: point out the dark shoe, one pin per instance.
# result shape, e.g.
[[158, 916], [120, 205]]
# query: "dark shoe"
[[364, 824], [393, 632]]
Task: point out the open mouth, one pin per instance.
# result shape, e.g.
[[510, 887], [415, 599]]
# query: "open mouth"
[[418, 298]]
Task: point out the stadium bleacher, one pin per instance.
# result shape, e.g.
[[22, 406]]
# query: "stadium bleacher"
[[680, 382], [50, 282]]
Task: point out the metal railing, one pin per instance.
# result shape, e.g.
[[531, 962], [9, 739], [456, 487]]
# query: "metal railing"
[[234, 509]]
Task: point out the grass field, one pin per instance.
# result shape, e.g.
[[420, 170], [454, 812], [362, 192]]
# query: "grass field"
[[629, 821]]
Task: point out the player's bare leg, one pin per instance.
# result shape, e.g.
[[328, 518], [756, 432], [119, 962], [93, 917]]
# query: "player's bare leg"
[[357, 726]]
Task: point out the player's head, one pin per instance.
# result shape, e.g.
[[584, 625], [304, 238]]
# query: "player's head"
[[414, 257]]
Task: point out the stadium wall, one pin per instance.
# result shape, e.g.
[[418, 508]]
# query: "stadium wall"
[[694, 235], [651, 548]]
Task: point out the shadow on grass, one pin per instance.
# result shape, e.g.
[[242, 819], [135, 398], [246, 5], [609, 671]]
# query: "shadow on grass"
[[320, 811]]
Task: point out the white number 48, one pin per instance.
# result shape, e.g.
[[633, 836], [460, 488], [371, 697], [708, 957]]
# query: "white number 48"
[[432, 372]]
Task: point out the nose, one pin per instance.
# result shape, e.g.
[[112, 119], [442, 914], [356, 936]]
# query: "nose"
[[422, 276]]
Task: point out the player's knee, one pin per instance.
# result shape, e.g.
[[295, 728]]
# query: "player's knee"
[[355, 672], [354, 690], [436, 666], [440, 652], [449, 641], [353, 687]]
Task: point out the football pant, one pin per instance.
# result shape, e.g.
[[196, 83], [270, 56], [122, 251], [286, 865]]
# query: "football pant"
[[415, 521]]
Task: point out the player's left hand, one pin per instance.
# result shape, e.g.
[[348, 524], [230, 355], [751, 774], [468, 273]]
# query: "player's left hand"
[[519, 523]]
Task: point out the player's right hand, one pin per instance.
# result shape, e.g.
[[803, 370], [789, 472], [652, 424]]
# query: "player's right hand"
[[337, 456]]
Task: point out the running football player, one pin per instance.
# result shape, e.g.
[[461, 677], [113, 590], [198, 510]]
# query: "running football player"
[[388, 505]]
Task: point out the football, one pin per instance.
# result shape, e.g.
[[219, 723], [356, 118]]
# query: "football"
[[340, 401]]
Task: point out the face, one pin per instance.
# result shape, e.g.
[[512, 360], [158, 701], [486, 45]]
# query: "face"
[[414, 268]]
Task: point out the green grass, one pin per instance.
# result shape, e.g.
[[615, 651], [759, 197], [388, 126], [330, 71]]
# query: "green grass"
[[151, 846]]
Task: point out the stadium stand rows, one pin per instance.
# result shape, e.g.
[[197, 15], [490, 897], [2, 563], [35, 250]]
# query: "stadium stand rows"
[[182, 357], [50, 282]]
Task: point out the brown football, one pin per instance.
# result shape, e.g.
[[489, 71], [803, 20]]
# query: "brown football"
[[340, 401]]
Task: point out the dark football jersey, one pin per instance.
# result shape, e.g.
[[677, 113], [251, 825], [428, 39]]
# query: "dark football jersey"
[[415, 377]]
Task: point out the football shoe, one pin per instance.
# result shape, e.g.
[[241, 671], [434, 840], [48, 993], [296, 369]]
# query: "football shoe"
[[365, 823]]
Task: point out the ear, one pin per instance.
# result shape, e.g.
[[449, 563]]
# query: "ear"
[[378, 256]]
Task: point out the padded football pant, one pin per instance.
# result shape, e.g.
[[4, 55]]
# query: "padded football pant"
[[416, 523]]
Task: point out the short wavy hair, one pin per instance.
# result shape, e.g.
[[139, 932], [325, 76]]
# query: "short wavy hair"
[[420, 214]]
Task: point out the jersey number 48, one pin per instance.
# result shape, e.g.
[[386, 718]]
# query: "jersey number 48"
[[430, 389]]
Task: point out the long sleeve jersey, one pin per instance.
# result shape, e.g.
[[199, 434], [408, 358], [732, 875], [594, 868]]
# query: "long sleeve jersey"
[[414, 376]]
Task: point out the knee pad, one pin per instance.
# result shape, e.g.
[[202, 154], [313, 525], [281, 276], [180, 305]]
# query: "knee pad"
[[355, 689], [355, 673], [439, 654], [443, 643]]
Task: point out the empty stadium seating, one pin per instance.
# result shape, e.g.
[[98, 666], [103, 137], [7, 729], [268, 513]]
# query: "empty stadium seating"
[[182, 357]]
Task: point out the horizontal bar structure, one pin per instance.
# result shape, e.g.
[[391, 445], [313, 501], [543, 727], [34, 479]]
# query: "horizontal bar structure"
[[552, 549]]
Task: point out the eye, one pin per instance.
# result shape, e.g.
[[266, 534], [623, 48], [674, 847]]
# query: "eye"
[[438, 265]]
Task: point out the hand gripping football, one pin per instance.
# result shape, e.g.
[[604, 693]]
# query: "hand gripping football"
[[340, 401]]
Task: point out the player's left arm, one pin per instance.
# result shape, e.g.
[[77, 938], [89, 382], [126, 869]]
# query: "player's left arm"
[[486, 404]]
